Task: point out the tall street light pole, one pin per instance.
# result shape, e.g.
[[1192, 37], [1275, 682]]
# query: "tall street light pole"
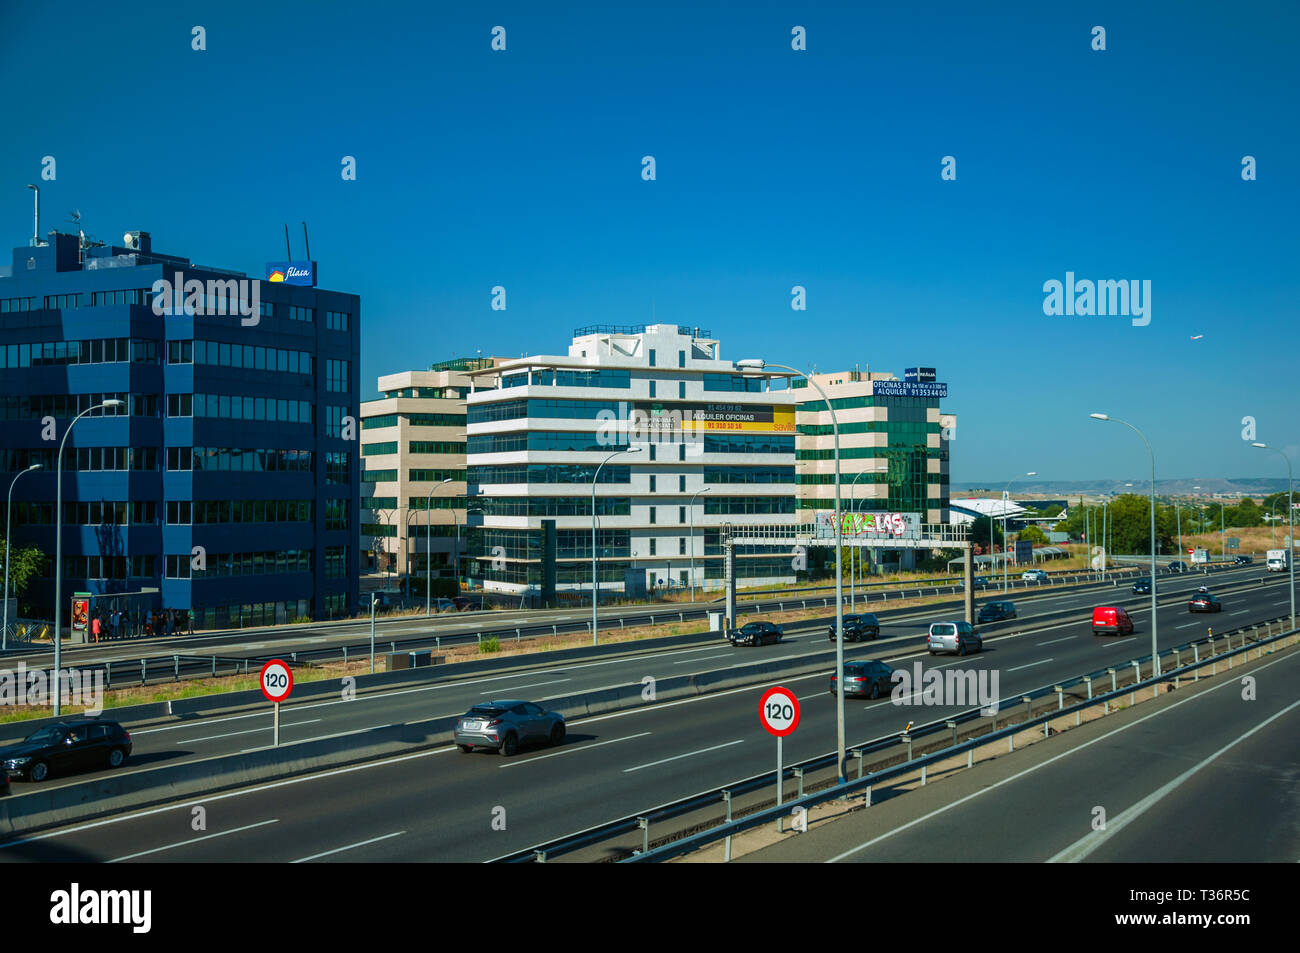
[[1004, 527], [58, 551], [1290, 512], [595, 583], [4, 628], [691, 508], [428, 547], [759, 364], [1155, 645]]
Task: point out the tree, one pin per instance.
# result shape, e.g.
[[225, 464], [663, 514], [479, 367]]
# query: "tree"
[[25, 564], [1033, 534]]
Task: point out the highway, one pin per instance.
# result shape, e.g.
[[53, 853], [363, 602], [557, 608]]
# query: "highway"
[[1200, 775], [158, 745], [440, 805]]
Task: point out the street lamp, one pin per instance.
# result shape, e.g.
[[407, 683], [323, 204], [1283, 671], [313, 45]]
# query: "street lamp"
[[58, 549], [691, 507], [1290, 510], [4, 629], [1155, 649], [455, 519], [757, 364], [595, 583], [1004, 528], [428, 547]]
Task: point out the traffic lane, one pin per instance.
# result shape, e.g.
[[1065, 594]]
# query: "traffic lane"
[[670, 766], [1032, 805], [230, 644], [232, 734]]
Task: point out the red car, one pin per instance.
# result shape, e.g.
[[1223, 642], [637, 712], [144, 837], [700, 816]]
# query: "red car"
[[1111, 620]]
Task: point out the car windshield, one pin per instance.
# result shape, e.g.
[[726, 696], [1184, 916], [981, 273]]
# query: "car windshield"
[[484, 711], [752, 627], [45, 736]]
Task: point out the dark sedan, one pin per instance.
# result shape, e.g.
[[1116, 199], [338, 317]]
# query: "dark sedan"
[[1204, 602], [997, 611], [1142, 586], [66, 747], [1178, 566], [1242, 561], [857, 627], [871, 678], [755, 633], [505, 725]]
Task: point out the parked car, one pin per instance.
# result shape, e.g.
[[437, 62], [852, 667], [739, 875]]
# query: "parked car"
[[1178, 566], [871, 678], [857, 627], [1204, 602], [467, 604], [67, 746], [1142, 586], [505, 725], [1111, 620], [444, 605], [1034, 575], [755, 633], [1242, 561], [959, 637], [996, 611], [979, 582]]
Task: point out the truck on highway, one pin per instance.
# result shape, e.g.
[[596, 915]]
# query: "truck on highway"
[[1278, 560], [1200, 556]]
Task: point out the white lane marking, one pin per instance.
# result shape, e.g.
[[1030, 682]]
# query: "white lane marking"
[[1030, 665], [194, 840], [1085, 845], [1043, 764], [1054, 641], [1284, 602], [340, 734], [690, 660], [554, 681], [1187, 626], [678, 757], [339, 850], [1131, 638], [556, 754], [250, 731]]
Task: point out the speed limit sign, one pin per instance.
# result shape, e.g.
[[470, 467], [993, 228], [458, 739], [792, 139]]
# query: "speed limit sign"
[[779, 711], [276, 680]]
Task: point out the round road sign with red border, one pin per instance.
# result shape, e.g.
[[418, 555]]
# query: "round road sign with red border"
[[276, 680], [778, 710]]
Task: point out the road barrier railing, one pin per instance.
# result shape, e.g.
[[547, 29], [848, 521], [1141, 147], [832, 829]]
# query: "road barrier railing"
[[1016, 713]]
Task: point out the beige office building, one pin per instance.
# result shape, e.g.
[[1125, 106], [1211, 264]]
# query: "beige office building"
[[413, 473]]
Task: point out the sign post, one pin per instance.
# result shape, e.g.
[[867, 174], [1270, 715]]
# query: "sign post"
[[778, 710], [276, 682]]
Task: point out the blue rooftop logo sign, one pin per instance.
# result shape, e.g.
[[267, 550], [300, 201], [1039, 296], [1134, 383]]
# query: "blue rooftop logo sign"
[[292, 272], [908, 389]]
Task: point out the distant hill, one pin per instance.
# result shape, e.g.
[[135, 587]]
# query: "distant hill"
[[1236, 486]]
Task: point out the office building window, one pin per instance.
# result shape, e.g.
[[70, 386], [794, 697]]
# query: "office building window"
[[681, 514], [681, 358], [681, 483], [336, 320], [652, 357], [681, 390], [652, 514], [652, 542], [301, 314], [336, 375], [652, 388], [652, 483], [681, 545]]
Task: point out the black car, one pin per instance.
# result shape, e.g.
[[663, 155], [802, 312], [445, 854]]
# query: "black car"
[[1204, 602], [996, 611], [755, 633], [980, 582], [1242, 561], [1142, 586], [872, 678], [857, 627], [1178, 566], [65, 747]]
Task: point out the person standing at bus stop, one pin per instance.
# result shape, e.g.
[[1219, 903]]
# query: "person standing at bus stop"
[[94, 626]]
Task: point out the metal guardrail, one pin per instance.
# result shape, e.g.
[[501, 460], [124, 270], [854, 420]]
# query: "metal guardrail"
[[642, 820]]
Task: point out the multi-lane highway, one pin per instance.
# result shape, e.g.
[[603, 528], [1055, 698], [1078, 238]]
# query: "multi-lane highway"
[[1205, 774], [442, 805]]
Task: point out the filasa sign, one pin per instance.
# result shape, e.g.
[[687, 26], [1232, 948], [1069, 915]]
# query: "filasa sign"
[[292, 272]]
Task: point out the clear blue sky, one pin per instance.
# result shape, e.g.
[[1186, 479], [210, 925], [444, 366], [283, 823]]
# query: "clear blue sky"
[[775, 168]]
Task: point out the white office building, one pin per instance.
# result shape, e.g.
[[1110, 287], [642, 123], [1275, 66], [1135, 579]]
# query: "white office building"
[[700, 445]]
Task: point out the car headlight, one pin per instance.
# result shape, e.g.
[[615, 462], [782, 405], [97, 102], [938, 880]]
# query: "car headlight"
[[18, 762]]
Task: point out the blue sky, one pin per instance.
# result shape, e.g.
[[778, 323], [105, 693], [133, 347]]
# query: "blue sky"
[[775, 168]]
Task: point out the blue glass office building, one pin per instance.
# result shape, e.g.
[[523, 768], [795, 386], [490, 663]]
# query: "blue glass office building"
[[225, 482]]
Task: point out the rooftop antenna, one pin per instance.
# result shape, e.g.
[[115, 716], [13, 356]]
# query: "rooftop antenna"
[[288, 255], [36, 216], [305, 241]]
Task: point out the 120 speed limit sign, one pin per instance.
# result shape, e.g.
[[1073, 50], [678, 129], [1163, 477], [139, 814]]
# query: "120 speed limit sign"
[[779, 711], [276, 681]]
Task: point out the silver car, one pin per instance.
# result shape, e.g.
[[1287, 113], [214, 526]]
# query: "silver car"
[[959, 637], [505, 725]]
